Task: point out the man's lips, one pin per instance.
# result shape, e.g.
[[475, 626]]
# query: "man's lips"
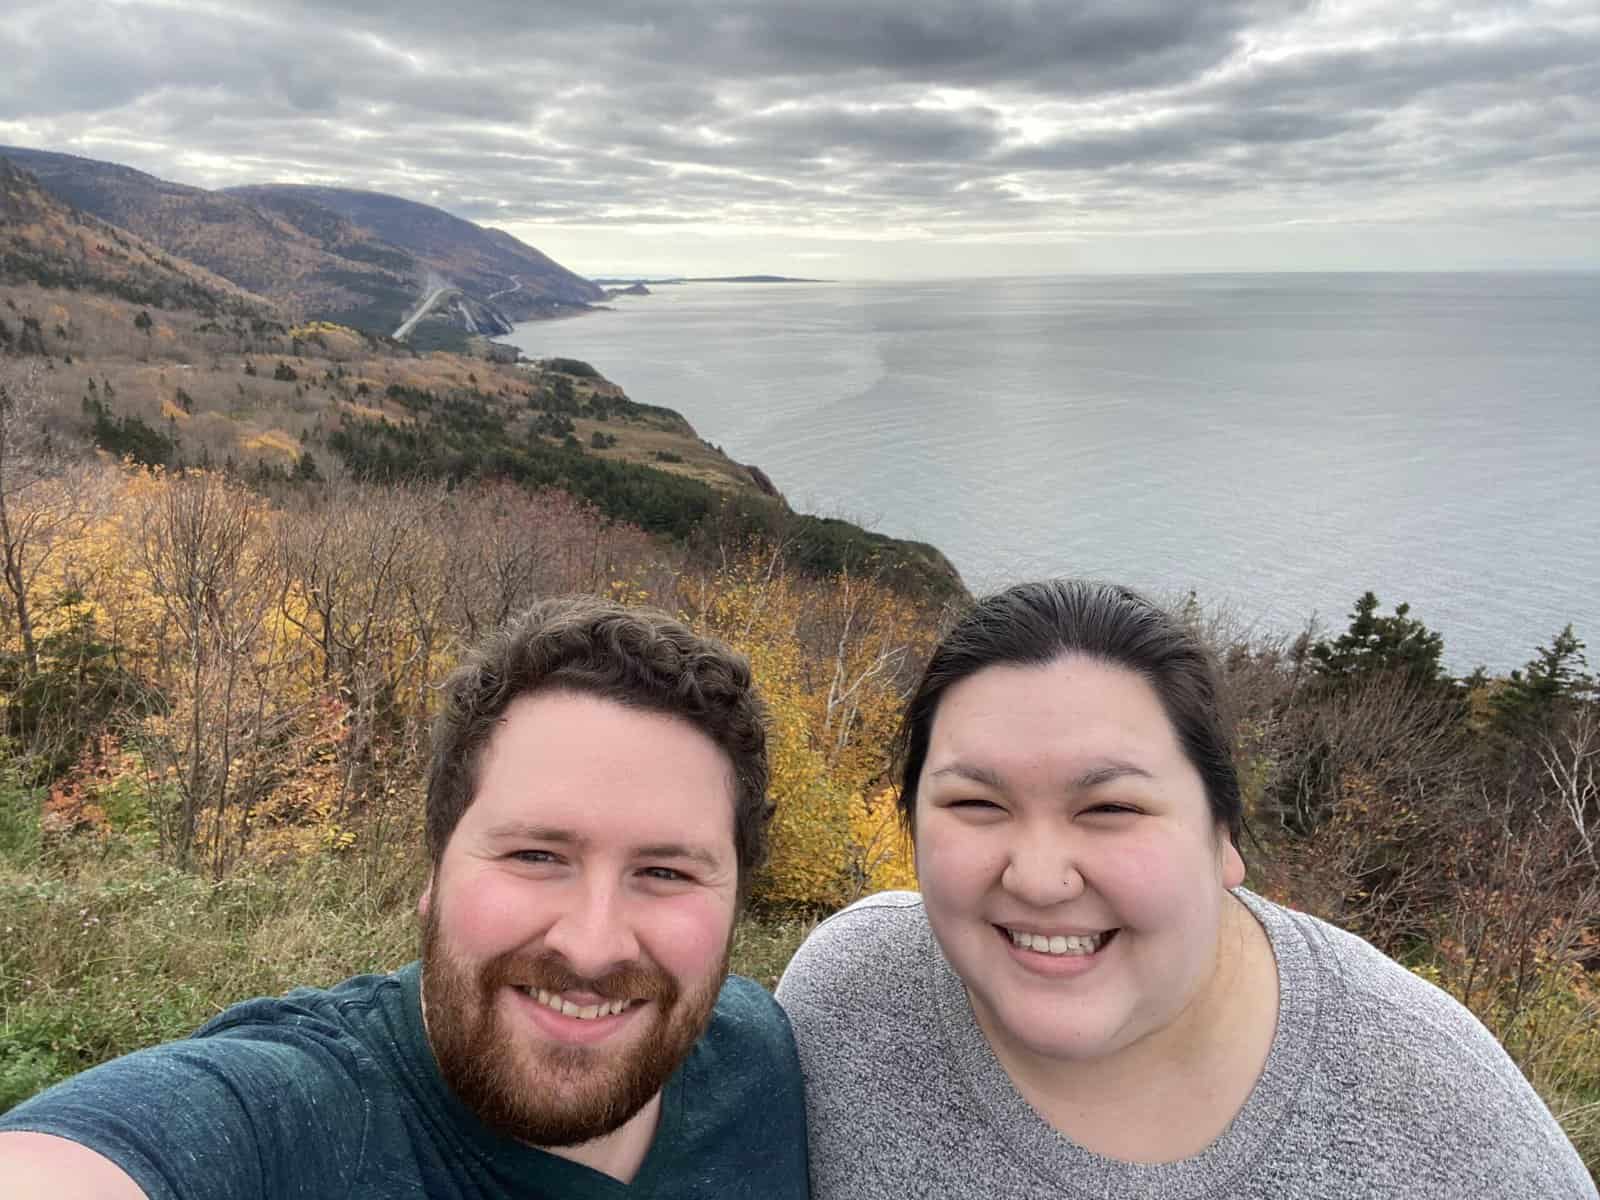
[[586, 1025], [583, 1006]]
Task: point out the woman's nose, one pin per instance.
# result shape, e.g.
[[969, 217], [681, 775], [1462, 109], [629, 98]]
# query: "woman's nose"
[[1042, 870]]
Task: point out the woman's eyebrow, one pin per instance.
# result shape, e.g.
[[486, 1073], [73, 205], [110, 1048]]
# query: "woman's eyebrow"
[[1094, 776], [1107, 772], [963, 770]]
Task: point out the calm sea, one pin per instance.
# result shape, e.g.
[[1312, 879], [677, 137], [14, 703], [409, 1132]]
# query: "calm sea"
[[1277, 443]]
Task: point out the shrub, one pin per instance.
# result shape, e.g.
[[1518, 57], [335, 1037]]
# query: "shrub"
[[571, 366], [19, 811]]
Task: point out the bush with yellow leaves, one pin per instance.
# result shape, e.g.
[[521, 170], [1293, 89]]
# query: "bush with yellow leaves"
[[832, 660]]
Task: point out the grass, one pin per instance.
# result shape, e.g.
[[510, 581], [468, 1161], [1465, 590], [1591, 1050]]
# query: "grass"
[[108, 958], [101, 956]]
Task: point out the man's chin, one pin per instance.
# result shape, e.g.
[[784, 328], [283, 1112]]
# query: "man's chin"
[[520, 1081], [549, 1094]]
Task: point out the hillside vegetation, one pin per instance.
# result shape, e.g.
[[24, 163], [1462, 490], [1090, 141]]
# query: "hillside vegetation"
[[484, 262], [43, 243], [356, 258]]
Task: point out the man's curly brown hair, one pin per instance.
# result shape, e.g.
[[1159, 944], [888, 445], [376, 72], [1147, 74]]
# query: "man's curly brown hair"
[[637, 657]]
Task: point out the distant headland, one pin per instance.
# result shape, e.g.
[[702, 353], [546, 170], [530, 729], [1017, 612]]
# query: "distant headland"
[[641, 280]]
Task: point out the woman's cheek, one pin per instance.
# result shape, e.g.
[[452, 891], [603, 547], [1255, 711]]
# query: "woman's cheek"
[[956, 859]]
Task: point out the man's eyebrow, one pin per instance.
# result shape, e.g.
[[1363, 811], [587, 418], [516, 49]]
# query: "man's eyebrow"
[[510, 831], [524, 830], [674, 850]]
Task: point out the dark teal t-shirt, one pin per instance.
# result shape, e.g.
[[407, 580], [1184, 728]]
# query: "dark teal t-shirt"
[[335, 1093]]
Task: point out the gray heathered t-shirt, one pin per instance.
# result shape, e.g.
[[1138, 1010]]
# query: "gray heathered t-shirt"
[[1377, 1084]]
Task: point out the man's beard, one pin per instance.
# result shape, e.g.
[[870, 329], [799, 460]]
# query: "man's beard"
[[536, 1091]]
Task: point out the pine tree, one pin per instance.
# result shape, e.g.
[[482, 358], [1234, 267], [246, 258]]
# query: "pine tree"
[[1554, 677], [1375, 643]]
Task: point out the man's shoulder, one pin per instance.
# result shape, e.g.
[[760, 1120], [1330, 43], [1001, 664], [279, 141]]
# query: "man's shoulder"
[[747, 1030], [255, 1042], [311, 1012]]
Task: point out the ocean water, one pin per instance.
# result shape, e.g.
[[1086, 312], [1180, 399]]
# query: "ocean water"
[[1277, 443]]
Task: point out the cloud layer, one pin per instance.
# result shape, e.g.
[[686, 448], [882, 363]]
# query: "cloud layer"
[[1052, 133]]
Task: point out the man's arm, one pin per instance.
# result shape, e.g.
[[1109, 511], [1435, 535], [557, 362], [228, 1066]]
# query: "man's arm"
[[39, 1166], [242, 1114]]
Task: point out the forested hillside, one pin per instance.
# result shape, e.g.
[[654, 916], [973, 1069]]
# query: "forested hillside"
[[357, 258]]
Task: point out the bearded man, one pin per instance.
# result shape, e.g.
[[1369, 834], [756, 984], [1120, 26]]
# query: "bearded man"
[[596, 807]]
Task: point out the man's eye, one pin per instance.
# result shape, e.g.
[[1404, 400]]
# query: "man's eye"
[[533, 856], [665, 874]]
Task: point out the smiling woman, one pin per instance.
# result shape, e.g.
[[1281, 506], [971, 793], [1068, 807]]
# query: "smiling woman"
[[1085, 1001]]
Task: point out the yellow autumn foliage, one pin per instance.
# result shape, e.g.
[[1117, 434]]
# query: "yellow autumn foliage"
[[275, 440], [365, 411], [827, 659], [886, 859], [309, 675]]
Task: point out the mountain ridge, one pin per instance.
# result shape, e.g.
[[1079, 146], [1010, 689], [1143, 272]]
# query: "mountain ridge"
[[309, 249]]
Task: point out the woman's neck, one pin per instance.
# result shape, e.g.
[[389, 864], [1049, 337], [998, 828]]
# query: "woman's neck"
[[1170, 1094]]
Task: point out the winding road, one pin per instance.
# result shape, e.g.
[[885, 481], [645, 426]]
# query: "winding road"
[[422, 309]]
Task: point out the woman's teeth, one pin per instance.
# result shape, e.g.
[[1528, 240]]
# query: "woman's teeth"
[[1058, 944]]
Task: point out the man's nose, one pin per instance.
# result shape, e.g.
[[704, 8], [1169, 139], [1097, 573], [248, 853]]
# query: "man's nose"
[[593, 929]]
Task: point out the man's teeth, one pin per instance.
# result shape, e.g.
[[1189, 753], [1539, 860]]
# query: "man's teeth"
[[587, 1012], [1059, 944]]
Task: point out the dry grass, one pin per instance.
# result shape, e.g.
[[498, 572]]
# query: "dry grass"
[[101, 956]]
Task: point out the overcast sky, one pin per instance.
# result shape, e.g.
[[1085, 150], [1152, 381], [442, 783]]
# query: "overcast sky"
[[868, 138]]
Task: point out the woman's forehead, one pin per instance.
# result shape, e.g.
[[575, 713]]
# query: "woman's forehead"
[[1091, 713]]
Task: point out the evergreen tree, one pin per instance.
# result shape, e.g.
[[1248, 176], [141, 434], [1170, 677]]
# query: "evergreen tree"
[[1375, 644], [1554, 677]]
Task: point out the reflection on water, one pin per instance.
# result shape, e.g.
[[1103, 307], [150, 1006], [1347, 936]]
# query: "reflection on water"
[[1279, 443]]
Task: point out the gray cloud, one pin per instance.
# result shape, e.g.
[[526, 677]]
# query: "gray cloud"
[[845, 118]]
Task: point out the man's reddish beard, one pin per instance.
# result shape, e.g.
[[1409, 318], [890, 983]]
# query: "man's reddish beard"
[[550, 1095]]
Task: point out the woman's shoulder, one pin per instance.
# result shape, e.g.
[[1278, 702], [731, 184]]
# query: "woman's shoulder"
[[1357, 980], [878, 944], [1388, 1041], [1364, 995]]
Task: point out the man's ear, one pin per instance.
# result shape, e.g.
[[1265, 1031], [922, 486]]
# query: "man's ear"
[[425, 901]]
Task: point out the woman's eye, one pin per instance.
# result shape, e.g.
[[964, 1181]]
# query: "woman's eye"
[[972, 803], [1113, 808]]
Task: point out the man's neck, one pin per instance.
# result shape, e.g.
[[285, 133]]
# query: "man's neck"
[[621, 1152]]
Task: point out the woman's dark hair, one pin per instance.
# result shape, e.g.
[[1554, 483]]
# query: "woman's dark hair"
[[1033, 624]]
